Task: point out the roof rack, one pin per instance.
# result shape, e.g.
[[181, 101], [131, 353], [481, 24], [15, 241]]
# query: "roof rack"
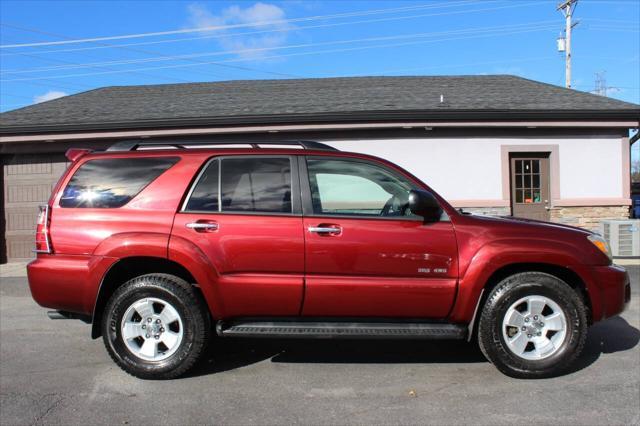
[[133, 145]]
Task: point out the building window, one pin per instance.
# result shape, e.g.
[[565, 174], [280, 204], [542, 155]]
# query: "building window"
[[527, 182]]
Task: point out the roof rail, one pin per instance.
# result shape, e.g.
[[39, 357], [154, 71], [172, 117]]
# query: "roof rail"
[[133, 145]]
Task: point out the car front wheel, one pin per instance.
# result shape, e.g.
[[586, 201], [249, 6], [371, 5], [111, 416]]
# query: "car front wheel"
[[533, 325], [155, 326]]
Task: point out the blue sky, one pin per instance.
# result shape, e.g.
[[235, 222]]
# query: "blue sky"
[[307, 39], [369, 38]]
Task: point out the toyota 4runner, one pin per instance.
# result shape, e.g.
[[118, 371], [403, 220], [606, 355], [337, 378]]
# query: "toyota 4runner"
[[163, 245]]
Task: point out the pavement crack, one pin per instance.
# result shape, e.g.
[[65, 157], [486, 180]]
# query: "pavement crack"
[[51, 407]]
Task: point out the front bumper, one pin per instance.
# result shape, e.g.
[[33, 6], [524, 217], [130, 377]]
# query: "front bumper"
[[615, 289]]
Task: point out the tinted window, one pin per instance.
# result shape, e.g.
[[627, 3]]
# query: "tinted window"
[[342, 187], [205, 194], [256, 185], [112, 182]]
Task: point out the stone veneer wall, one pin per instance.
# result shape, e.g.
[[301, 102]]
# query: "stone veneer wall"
[[583, 217], [588, 217], [489, 211]]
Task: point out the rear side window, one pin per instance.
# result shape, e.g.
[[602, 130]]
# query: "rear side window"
[[112, 182], [204, 197], [261, 185]]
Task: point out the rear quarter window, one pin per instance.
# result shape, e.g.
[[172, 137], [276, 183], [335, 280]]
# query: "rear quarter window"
[[112, 182]]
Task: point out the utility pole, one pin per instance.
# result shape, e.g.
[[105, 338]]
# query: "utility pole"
[[567, 7]]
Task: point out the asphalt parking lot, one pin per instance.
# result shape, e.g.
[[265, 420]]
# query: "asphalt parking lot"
[[51, 372]]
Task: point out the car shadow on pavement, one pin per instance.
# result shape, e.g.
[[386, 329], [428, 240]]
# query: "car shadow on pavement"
[[228, 354], [612, 335], [606, 337]]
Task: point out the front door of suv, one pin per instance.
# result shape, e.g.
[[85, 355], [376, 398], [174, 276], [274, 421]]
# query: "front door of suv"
[[244, 214], [367, 255]]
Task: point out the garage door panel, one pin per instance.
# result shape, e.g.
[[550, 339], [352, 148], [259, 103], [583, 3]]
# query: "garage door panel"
[[28, 192], [29, 165], [18, 248], [21, 219], [28, 182]]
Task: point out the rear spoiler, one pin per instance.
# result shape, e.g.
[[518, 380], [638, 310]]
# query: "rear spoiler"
[[75, 154]]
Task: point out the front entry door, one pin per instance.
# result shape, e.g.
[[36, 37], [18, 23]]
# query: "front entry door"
[[530, 186], [366, 254]]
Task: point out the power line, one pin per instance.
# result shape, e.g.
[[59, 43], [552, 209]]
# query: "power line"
[[298, 54], [149, 52], [72, 86], [12, 105], [13, 95], [403, 70], [244, 68], [70, 63], [275, 30], [614, 29], [531, 25], [233, 26], [616, 21]]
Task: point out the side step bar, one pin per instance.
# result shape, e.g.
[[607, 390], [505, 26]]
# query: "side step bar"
[[346, 330], [63, 315]]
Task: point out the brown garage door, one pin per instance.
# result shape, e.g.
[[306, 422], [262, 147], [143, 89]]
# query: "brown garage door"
[[28, 182]]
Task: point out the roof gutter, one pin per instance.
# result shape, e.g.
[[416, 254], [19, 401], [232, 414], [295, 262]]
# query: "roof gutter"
[[439, 118], [194, 131]]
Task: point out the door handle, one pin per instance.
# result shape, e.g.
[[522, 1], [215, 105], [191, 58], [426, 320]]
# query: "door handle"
[[325, 229], [202, 226]]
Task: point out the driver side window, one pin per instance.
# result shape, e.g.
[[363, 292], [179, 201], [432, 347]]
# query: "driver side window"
[[356, 188]]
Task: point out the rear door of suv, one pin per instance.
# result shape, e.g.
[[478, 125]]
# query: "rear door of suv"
[[366, 254], [244, 213]]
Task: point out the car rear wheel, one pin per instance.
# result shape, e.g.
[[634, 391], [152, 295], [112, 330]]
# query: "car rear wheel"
[[532, 325], [155, 326]]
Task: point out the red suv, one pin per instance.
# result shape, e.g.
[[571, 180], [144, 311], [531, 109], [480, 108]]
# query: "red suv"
[[161, 245]]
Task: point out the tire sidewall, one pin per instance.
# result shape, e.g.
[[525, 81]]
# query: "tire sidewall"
[[112, 331], [540, 285]]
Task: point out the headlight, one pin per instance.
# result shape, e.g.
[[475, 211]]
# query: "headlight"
[[601, 244]]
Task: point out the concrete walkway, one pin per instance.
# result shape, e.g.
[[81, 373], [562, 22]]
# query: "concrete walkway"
[[13, 270]]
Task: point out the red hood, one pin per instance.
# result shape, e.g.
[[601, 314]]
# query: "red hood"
[[519, 221], [544, 223]]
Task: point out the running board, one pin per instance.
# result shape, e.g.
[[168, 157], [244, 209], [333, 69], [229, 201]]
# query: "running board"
[[346, 330]]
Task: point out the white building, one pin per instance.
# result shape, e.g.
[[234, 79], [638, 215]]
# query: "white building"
[[492, 144]]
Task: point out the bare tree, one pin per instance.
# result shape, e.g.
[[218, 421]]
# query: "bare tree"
[[635, 171]]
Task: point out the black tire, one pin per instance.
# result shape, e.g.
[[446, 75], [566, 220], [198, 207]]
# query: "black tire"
[[194, 316], [509, 291]]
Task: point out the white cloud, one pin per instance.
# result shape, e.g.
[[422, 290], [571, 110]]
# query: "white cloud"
[[49, 96], [261, 15]]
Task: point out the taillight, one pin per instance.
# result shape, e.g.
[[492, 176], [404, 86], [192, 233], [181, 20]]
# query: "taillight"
[[43, 240]]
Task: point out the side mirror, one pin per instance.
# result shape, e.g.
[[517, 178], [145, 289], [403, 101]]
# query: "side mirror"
[[423, 203]]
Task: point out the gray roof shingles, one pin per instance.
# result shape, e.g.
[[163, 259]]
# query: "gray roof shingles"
[[297, 100]]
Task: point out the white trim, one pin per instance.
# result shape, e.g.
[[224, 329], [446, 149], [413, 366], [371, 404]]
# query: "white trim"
[[310, 127]]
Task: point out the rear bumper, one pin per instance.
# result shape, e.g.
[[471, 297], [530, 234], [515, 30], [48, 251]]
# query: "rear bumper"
[[67, 283]]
